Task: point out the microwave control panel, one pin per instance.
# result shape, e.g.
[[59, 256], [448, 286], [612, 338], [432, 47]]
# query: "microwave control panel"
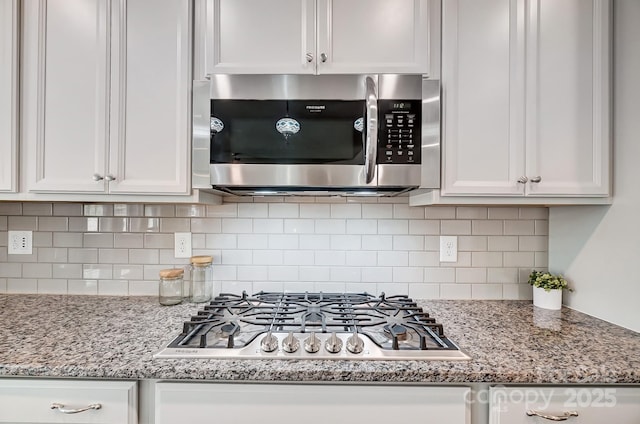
[[399, 140]]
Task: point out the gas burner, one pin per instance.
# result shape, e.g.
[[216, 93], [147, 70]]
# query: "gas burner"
[[312, 326]]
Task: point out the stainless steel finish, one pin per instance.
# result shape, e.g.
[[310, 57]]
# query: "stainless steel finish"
[[333, 343], [201, 137], [60, 407], [355, 344], [323, 57], [290, 344], [370, 351], [110, 177], [316, 180], [565, 415], [430, 169], [370, 135], [97, 177], [523, 180], [317, 87], [309, 57], [536, 179], [269, 343], [312, 343]]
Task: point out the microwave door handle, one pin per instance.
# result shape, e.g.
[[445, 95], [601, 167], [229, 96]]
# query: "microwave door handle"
[[370, 133]]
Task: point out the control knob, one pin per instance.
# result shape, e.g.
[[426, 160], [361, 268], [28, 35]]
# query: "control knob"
[[333, 343], [312, 343], [269, 343], [355, 344], [290, 344]]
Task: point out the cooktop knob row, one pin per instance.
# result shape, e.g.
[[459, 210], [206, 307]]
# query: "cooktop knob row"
[[312, 344]]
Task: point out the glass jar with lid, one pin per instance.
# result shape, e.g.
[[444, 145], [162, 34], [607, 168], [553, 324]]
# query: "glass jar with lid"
[[201, 279], [171, 286]]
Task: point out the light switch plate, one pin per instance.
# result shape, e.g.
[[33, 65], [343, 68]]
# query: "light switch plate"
[[20, 243]]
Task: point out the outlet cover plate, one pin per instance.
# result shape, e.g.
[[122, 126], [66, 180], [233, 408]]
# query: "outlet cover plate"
[[448, 249], [20, 243], [182, 248]]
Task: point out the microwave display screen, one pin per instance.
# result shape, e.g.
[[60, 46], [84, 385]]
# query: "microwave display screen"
[[281, 131]]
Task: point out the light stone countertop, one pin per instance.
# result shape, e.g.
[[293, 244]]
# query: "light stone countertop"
[[115, 338]]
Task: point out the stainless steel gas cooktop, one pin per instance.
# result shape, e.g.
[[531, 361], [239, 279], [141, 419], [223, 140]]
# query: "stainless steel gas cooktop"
[[346, 326]]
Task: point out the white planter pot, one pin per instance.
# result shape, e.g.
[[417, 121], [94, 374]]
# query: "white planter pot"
[[547, 299]]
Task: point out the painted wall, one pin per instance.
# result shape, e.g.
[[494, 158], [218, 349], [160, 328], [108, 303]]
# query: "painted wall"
[[278, 244], [598, 248]]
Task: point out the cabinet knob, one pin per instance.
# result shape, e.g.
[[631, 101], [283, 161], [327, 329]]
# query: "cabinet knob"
[[536, 179], [523, 180], [97, 177], [309, 57], [323, 57], [110, 178]]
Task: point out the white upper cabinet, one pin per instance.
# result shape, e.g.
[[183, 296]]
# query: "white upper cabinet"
[[311, 37], [525, 99], [8, 94], [106, 96]]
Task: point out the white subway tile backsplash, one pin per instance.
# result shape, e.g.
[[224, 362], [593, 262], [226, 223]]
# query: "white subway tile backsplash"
[[519, 228], [283, 210], [299, 226], [37, 209], [296, 244], [455, 291], [48, 286], [52, 254], [315, 210], [393, 258], [377, 211], [22, 223], [298, 257], [455, 227], [50, 223], [391, 226]]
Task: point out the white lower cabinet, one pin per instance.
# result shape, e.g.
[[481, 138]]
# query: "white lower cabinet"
[[55, 401], [178, 403], [579, 404]]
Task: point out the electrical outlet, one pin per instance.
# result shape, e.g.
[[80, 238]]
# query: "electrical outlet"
[[20, 243], [182, 247], [448, 249]]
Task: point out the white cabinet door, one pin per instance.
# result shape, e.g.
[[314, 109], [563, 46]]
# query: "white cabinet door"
[[483, 97], [150, 97], [373, 36], [583, 405], [259, 37], [312, 37], [65, 95], [30, 401], [106, 96], [526, 98], [178, 403], [8, 94], [568, 106]]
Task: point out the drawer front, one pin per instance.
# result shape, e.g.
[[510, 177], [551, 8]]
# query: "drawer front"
[[179, 403], [582, 405], [29, 400]]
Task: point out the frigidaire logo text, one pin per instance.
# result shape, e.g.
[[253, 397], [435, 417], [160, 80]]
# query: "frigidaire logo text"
[[315, 108]]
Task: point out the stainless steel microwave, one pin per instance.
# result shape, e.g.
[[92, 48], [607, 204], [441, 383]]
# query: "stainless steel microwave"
[[316, 135]]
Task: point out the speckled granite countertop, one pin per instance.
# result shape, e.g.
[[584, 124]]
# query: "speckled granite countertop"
[[115, 337]]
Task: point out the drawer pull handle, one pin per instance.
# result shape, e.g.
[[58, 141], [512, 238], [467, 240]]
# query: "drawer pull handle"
[[60, 407], [565, 415]]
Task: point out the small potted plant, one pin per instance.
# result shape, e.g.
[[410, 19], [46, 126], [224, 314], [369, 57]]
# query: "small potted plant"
[[547, 289]]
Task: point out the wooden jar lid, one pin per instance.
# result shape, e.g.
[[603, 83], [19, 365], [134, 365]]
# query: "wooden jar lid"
[[201, 260], [171, 273]]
